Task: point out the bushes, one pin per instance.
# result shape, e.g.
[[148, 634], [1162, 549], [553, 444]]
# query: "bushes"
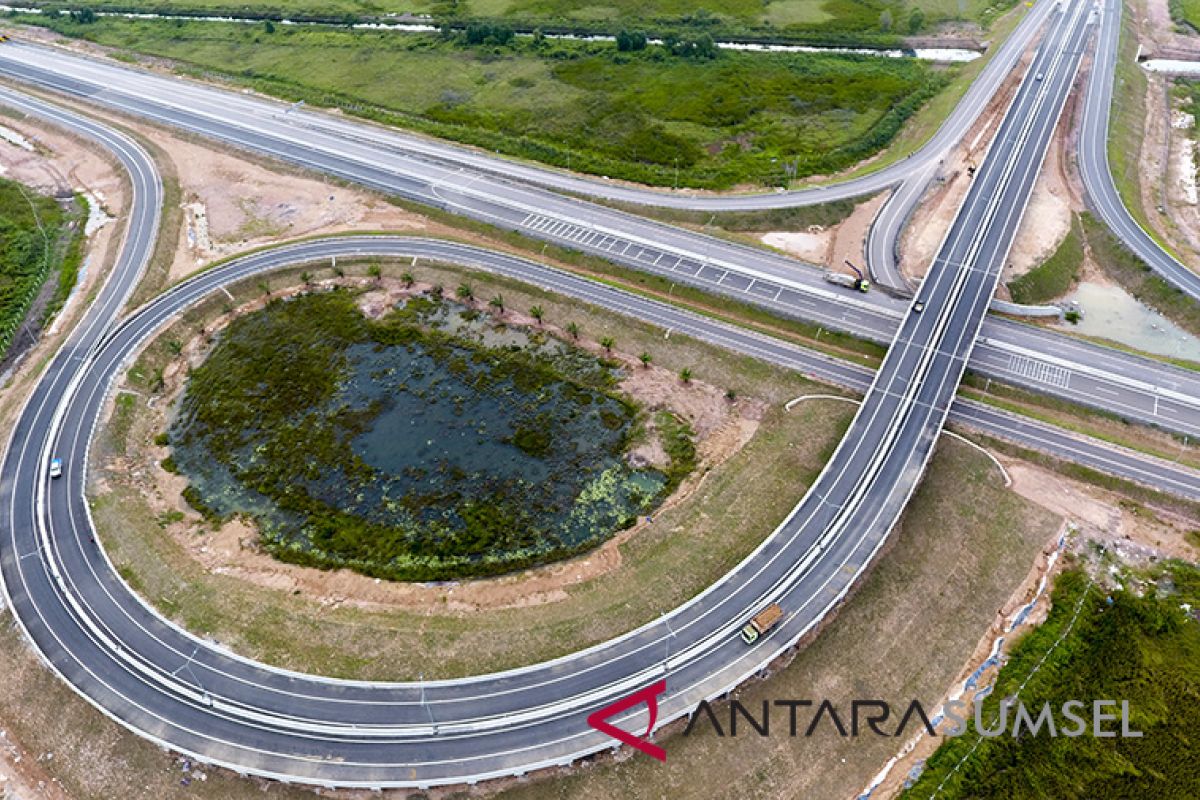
[[635, 114], [1121, 646], [31, 226]]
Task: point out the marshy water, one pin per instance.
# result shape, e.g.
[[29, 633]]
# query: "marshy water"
[[441, 446], [1109, 312]]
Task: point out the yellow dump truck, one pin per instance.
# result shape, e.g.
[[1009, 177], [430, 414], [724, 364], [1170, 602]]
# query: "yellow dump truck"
[[762, 622]]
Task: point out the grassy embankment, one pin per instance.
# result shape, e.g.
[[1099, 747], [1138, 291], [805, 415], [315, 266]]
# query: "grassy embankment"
[[1054, 276], [741, 501], [38, 238], [1145, 650], [831, 21], [1186, 13], [650, 115]]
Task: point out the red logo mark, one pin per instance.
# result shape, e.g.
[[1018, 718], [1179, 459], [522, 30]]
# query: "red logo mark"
[[649, 696]]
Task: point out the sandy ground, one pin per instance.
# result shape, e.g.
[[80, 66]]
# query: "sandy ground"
[[722, 429], [23, 775], [1047, 218], [231, 204], [830, 246], [1168, 191]]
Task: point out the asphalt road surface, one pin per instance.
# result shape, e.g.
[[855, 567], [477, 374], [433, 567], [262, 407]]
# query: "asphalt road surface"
[[1135, 388], [202, 700], [1093, 161]]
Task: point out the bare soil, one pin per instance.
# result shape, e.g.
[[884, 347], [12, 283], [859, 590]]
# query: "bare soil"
[[1048, 215], [231, 204]]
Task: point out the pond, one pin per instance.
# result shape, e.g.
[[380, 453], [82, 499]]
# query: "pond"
[[1109, 312], [428, 445]]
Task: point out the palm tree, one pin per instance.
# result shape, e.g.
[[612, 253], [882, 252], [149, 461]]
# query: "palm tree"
[[341, 273], [265, 288], [497, 303], [573, 329], [437, 290], [537, 313], [407, 279], [464, 291], [607, 343], [375, 271], [306, 276], [645, 358], [685, 375]]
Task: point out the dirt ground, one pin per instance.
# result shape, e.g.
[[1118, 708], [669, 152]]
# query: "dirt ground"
[[231, 204], [830, 246], [1168, 158], [1047, 218], [722, 428]]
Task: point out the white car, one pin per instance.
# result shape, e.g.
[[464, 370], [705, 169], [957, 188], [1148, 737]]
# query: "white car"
[[56, 468]]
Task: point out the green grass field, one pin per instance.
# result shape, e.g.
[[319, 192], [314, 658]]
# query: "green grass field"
[[648, 116], [1186, 12], [1143, 649]]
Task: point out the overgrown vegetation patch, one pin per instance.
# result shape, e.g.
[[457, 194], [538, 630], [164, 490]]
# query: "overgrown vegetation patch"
[[681, 112], [36, 239], [1096, 644], [429, 444]]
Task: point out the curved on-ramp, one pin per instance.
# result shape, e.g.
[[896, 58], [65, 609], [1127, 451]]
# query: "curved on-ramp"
[[226, 710]]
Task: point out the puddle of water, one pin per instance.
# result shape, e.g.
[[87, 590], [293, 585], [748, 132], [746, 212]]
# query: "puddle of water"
[[1110, 312]]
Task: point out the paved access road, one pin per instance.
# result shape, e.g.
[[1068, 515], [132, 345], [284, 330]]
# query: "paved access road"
[[1094, 167], [229, 711]]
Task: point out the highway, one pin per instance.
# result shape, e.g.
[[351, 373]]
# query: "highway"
[[192, 95], [202, 700], [1098, 181], [1135, 388]]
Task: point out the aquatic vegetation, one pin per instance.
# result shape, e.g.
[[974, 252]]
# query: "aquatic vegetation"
[[427, 445]]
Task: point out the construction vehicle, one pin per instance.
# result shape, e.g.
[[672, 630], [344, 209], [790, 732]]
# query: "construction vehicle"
[[3, 37], [762, 622], [860, 282]]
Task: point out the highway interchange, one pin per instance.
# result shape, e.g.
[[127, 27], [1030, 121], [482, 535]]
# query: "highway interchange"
[[186, 694]]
